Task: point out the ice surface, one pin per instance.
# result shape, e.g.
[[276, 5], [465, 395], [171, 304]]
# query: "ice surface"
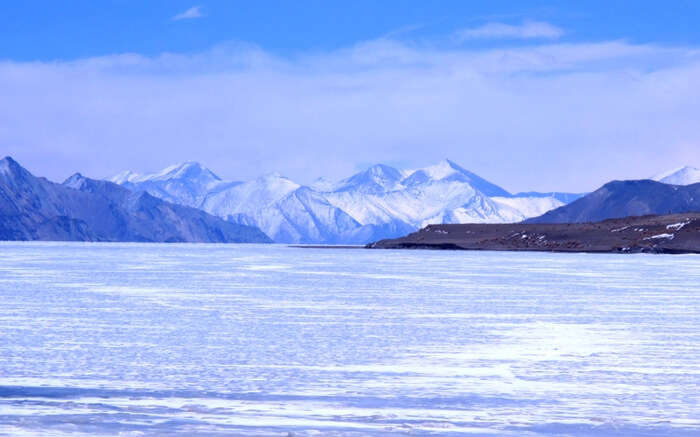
[[137, 339]]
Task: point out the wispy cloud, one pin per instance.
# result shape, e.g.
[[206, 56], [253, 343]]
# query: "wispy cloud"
[[526, 30], [541, 116], [193, 12]]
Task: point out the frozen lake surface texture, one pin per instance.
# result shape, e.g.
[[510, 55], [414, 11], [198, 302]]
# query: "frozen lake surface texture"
[[136, 339]]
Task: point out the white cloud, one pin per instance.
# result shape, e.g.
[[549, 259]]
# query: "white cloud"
[[526, 30], [550, 116], [193, 12]]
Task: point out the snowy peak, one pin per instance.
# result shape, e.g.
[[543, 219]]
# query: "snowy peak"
[[249, 196], [76, 181], [274, 184], [443, 170], [190, 171], [12, 172], [7, 163], [450, 171], [96, 186], [187, 183], [79, 182], [377, 179], [323, 185], [124, 177], [681, 176], [10, 167]]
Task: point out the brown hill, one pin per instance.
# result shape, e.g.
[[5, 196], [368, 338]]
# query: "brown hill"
[[673, 233]]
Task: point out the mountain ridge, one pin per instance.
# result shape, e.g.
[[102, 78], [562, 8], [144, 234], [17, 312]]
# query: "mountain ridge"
[[83, 209], [378, 202], [617, 199]]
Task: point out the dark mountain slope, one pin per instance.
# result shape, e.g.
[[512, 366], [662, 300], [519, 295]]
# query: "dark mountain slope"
[[626, 198], [82, 209]]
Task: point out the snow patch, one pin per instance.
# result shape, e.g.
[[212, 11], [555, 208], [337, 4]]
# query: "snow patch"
[[680, 176], [659, 236], [677, 226]]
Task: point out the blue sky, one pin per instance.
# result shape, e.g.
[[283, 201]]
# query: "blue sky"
[[46, 30], [532, 95]]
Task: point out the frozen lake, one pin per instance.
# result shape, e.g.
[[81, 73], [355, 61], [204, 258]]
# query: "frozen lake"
[[134, 339]]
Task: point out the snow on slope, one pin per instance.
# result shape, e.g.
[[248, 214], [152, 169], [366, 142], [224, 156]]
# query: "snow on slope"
[[444, 192], [249, 197], [187, 184], [529, 206], [284, 210], [681, 176], [380, 202], [376, 179], [417, 205], [447, 170], [303, 216]]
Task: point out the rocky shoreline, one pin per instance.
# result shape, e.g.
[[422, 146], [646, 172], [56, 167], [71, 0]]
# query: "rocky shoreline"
[[673, 233]]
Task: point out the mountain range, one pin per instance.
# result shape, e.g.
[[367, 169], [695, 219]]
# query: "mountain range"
[[380, 202], [82, 209], [188, 202], [618, 199]]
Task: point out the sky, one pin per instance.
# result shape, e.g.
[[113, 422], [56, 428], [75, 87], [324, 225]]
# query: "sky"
[[537, 95]]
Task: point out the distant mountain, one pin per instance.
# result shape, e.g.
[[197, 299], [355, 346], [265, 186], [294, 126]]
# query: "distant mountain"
[[450, 172], [186, 184], [287, 212], [380, 202], [248, 197], [626, 198], [529, 206], [83, 209], [376, 179], [562, 197], [681, 176], [442, 193]]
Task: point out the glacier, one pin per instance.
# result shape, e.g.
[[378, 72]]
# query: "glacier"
[[379, 202]]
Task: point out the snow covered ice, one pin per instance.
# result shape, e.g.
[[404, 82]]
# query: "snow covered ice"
[[150, 339]]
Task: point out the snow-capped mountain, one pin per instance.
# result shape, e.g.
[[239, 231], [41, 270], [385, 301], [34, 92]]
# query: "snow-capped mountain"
[[530, 206], [450, 172], [83, 209], [286, 211], [379, 202], [433, 194], [681, 176], [187, 183], [376, 179], [248, 197], [303, 216], [441, 193]]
